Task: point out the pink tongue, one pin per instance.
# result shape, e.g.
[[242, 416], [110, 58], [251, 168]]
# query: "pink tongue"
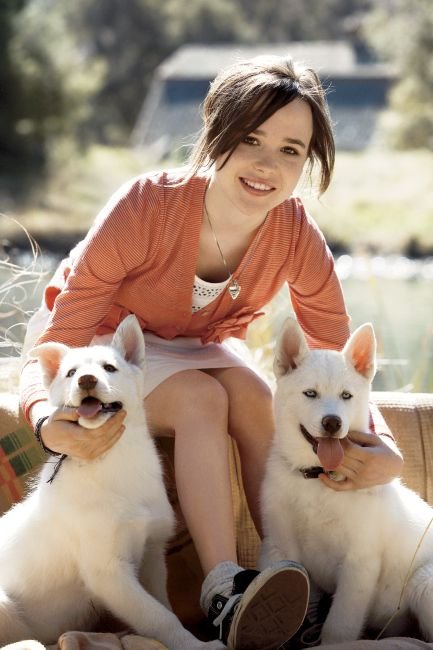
[[89, 407], [330, 452]]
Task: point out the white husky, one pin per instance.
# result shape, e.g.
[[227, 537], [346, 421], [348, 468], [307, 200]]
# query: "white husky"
[[74, 546], [356, 545]]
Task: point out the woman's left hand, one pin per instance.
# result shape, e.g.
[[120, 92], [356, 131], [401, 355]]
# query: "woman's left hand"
[[369, 460]]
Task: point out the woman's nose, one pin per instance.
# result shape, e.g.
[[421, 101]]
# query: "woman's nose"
[[264, 161]]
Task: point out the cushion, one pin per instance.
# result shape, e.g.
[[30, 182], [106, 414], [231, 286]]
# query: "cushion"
[[20, 454]]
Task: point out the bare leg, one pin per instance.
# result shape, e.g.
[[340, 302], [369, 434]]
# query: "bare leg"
[[200, 408], [194, 406], [251, 424]]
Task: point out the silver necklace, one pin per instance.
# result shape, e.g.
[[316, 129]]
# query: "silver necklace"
[[234, 288]]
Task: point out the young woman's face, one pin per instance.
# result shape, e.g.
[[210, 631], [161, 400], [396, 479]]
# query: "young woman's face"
[[265, 168]]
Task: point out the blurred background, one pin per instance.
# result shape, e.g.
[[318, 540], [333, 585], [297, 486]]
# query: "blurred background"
[[96, 91]]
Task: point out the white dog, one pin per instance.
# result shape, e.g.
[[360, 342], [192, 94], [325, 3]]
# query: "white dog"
[[356, 545], [74, 546]]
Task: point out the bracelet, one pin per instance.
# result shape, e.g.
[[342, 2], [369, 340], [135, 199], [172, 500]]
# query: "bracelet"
[[388, 434], [38, 436]]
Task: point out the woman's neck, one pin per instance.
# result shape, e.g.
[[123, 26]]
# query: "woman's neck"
[[228, 215]]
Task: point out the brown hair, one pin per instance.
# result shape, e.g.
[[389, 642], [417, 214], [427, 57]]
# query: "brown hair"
[[246, 94]]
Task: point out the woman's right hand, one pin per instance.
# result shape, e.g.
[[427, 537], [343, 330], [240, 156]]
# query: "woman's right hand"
[[62, 434]]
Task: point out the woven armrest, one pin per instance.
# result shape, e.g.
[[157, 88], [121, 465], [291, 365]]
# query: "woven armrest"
[[410, 418]]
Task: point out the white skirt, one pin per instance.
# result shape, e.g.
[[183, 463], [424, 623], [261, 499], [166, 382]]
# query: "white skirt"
[[165, 358]]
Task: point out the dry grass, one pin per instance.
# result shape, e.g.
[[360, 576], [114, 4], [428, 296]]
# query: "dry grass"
[[77, 189], [378, 200]]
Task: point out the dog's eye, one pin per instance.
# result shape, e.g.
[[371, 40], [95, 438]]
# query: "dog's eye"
[[108, 367], [310, 393], [71, 372], [346, 395]]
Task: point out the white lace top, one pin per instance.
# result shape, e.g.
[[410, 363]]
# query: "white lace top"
[[204, 292]]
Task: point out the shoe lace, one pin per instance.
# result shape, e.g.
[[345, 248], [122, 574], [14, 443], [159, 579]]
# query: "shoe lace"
[[312, 627], [313, 610], [230, 604], [311, 636]]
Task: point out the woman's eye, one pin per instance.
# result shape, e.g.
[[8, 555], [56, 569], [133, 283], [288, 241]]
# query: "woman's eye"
[[290, 151], [310, 393], [71, 372], [108, 367], [249, 139]]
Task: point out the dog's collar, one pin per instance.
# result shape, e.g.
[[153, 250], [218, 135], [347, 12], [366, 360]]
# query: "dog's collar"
[[315, 470]]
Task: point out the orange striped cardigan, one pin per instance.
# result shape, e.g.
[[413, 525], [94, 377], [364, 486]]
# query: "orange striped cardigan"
[[140, 257]]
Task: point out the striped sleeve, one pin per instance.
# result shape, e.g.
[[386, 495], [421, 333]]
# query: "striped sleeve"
[[123, 237], [315, 289]]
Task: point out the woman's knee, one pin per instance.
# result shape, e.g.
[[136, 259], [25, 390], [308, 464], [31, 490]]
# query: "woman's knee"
[[204, 395], [247, 390], [251, 405], [187, 396]]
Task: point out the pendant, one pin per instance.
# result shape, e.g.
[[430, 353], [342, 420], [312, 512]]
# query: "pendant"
[[234, 289]]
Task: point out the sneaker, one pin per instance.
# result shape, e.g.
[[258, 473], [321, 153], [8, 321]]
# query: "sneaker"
[[265, 609], [310, 631]]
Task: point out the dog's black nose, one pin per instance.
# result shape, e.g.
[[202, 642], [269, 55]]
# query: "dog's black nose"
[[87, 382], [331, 423]]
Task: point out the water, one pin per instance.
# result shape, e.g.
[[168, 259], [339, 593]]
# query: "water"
[[393, 293], [402, 315], [396, 295]]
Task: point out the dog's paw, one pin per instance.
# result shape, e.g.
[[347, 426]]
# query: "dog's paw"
[[337, 635]]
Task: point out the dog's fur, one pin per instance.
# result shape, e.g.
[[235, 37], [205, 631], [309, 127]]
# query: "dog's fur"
[[74, 547], [357, 545]]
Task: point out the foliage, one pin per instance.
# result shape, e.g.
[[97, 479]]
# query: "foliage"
[[10, 80], [130, 36], [199, 21], [81, 69], [51, 78], [298, 20], [402, 32], [19, 282]]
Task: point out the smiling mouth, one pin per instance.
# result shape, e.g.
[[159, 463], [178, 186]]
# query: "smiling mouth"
[[258, 187], [91, 406]]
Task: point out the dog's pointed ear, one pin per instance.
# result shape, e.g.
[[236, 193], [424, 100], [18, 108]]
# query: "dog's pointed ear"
[[129, 340], [50, 356], [360, 351], [291, 348]]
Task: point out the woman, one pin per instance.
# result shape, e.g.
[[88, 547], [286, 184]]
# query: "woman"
[[195, 253]]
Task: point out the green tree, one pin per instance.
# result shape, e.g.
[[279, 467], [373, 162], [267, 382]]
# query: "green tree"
[[81, 69], [10, 143], [402, 33], [201, 21], [50, 78], [130, 37], [298, 20]]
